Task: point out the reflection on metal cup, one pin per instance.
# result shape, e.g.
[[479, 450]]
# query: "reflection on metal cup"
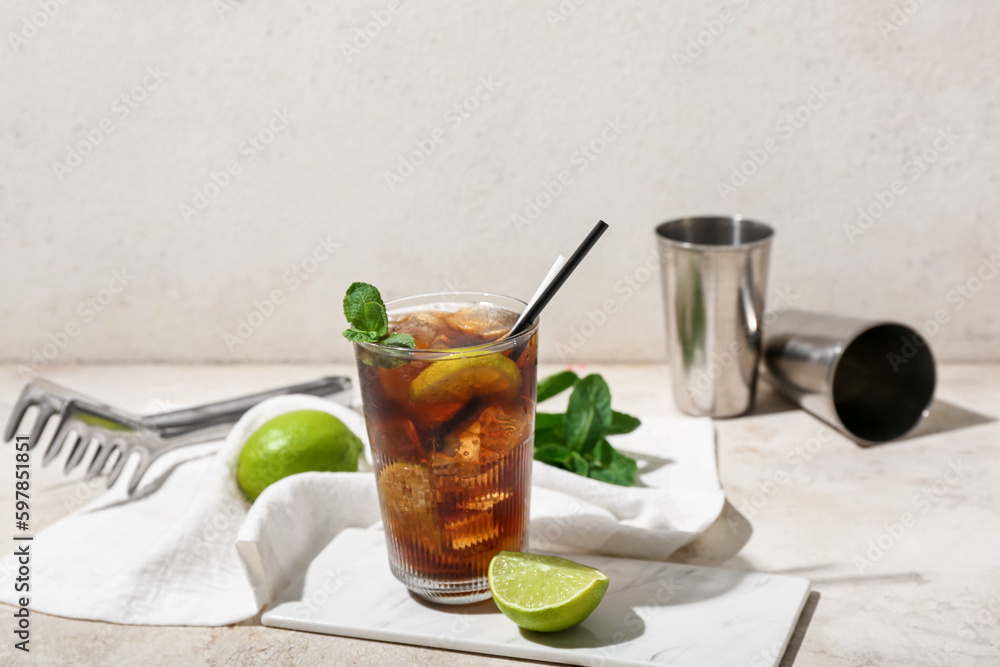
[[714, 272], [872, 380]]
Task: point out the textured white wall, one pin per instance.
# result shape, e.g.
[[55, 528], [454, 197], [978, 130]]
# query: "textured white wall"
[[901, 91]]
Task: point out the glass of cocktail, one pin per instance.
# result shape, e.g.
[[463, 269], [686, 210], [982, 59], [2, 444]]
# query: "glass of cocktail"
[[451, 426]]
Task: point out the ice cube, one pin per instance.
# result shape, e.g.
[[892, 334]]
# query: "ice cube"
[[423, 332], [396, 381], [444, 342], [481, 320], [460, 453], [432, 415], [486, 501], [406, 487], [470, 530], [408, 498], [501, 429], [430, 317], [394, 438], [465, 444]]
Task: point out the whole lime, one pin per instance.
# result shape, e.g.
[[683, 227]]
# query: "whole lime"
[[301, 441]]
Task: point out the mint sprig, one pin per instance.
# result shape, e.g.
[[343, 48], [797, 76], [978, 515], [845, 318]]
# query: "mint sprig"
[[365, 310], [577, 440]]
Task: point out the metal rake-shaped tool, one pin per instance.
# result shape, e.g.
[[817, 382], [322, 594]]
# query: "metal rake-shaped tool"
[[118, 434]]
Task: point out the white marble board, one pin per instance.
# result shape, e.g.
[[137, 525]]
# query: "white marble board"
[[653, 613]]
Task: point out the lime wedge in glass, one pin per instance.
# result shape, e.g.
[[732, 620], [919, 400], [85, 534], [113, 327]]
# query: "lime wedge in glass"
[[457, 380], [544, 593]]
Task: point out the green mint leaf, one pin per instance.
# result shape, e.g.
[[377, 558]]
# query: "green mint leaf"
[[375, 319], [578, 464], [602, 453], [576, 440], [366, 356], [548, 436], [544, 420], [554, 454], [602, 475], [364, 309], [359, 294], [356, 336], [622, 423], [613, 476], [555, 384], [625, 469], [399, 340], [588, 415]]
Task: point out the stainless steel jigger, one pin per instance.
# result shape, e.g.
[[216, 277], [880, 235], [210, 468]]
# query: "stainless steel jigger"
[[872, 380], [714, 272]]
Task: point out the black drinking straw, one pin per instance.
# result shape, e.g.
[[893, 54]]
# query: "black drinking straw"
[[535, 307], [523, 323]]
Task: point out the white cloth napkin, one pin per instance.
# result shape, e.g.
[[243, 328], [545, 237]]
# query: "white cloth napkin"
[[189, 549]]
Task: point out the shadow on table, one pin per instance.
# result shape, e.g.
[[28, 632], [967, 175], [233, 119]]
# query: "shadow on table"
[[943, 417], [870, 579], [769, 402], [473, 609], [720, 543], [150, 486], [647, 463], [614, 622], [799, 633]]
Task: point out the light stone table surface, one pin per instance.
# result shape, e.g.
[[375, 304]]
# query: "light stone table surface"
[[901, 541]]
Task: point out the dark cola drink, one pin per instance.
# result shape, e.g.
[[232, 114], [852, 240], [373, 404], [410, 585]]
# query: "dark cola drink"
[[451, 428]]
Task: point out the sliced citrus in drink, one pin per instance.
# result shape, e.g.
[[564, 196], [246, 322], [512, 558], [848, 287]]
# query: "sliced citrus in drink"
[[544, 593], [457, 380], [408, 497]]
